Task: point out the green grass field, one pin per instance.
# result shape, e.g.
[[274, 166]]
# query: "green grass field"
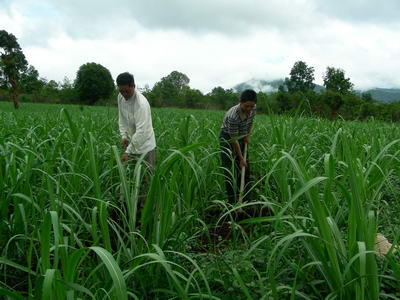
[[70, 227]]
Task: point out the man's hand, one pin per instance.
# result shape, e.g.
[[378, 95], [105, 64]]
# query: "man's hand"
[[242, 163], [124, 143], [247, 139], [125, 157]]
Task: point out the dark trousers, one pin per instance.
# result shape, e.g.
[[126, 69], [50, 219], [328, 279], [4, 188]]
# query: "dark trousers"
[[231, 168]]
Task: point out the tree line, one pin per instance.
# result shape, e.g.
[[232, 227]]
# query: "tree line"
[[20, 82]]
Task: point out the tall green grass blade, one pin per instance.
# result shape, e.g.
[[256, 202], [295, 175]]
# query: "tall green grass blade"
[[115, 272]]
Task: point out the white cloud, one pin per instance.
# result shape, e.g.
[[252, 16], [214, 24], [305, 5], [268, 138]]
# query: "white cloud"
[[232, 17], [363, 11], [216, 43]]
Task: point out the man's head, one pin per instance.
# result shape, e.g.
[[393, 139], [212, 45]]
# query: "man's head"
[[126, 84], [248, 100]]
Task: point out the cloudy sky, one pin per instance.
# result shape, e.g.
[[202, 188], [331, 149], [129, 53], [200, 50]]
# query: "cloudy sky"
[[214, 42]]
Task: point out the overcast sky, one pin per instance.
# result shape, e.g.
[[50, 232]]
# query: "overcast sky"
[[214, 42]]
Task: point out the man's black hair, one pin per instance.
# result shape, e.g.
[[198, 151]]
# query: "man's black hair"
[[248, 95], [125, 79]]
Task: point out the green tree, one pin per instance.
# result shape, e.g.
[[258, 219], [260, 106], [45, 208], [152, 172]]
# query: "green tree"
[[30, 82], [283, 100], [12, 63], [67, 92], [165, 93], [93, 82], [367, 97], [52, 85], [51, 88], [223, 98], [178, 79], [193, 97], [301, 78], [334, 101], [351, 107], [263, 103], [170, 90], [368, 109], [335, 80]]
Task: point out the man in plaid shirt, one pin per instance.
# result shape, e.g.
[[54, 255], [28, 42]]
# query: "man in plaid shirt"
[[235, 133]]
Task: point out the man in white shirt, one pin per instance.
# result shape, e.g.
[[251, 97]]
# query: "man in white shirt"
[[134, 120]]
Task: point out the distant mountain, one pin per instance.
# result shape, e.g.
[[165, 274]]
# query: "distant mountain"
[[379, 94], [385, 95]]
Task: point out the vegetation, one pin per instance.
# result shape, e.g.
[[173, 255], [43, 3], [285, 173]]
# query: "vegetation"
[[70, 228], [94, 85], [301, 78], [335, 80], [93, 82], [12, 64], [174, 91]]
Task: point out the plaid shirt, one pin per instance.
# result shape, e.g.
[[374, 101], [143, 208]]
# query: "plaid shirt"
[[236, 123]]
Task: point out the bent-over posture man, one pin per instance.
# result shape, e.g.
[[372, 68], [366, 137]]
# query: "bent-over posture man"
[[135, 124], [235, 133]]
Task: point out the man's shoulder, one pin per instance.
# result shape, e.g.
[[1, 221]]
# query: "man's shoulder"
[[141, 99], [140, 96], [232, 113]]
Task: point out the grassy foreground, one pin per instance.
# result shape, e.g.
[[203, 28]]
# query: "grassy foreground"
[[70, 227]]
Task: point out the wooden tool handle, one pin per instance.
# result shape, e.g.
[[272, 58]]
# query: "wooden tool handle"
[[242, 175]]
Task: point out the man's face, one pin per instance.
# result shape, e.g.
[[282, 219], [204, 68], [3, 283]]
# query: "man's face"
[[247, 106], [126, 91]]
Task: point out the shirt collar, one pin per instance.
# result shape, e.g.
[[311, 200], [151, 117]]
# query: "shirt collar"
[[132, 98], [242, 115]]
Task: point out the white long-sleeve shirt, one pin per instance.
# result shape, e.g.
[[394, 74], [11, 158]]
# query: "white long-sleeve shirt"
[[135, 124]]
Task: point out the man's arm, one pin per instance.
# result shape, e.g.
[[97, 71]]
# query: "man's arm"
[[123, 133], [236, 148], [238, 152], [143, 127], [233, 130], [121, 125]]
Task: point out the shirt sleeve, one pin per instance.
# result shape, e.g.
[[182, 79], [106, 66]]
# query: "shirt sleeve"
[[143, 128], [121, 124], [232, 127]]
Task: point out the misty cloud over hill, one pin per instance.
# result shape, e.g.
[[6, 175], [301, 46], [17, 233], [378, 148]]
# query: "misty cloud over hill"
[[379, 94]]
